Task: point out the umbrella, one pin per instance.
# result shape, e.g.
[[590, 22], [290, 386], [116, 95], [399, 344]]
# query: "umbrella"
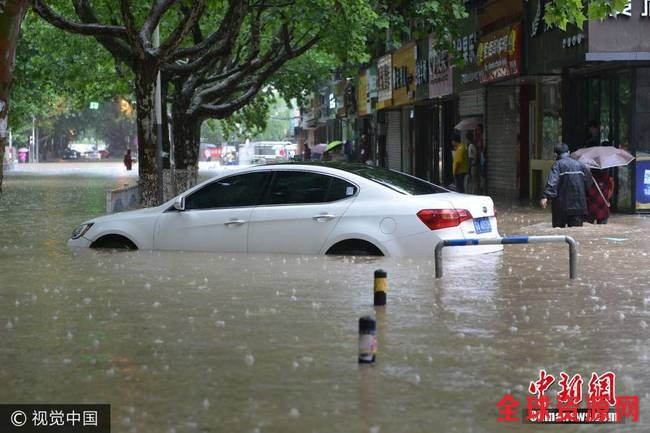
[[468, 123], [319, 148], [333, 144], [602, 157], [23, 150]]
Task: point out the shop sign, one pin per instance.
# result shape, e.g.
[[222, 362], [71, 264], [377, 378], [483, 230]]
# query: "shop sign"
[[440, 71], [362, 94], [384, 81], [404, 74], [499, 54], [467, 46], [627, 31], [643, 183]]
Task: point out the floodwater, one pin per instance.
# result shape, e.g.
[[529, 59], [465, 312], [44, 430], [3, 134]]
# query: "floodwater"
[[197, 342]]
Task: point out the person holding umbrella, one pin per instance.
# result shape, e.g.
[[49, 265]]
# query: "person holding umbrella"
[[566, 187], [598, 196], [600, 159]]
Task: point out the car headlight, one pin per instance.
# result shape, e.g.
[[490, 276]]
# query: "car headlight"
[[81, 230]]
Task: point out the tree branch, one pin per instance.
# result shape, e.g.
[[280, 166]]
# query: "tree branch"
[[155, 15], [182, 30], [88, 29]]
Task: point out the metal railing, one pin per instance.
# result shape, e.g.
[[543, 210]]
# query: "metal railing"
[[573, 252]]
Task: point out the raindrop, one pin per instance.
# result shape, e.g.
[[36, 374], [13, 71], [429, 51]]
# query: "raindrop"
[[220, 324], [374, 429], [156, 304], [87, 301], [147, 286], [9, 325], [249, 360], [621, 316], [414, 379], [643, 324], [206, 403], [294, 413]]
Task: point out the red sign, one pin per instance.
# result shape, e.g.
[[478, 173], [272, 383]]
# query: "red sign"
[[499, 54]]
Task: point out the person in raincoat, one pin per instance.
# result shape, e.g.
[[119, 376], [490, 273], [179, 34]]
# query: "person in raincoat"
[[566, 186]]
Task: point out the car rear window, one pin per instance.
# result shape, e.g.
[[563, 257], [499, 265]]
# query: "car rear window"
[[400, 182]]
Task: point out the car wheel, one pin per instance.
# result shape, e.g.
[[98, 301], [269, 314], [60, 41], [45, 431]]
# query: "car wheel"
[[354, 247], [114, 242]]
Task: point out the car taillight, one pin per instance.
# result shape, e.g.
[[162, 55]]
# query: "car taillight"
[[437, 219]]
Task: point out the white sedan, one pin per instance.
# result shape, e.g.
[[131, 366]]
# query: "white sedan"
[[312, 208]]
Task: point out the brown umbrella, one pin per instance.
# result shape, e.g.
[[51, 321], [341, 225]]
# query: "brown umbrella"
[[602, 157]]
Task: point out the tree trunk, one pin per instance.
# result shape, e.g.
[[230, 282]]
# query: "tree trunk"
[[187, 136], [11, 15], [150, 182]]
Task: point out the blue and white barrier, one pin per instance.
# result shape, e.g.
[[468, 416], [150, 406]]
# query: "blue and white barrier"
[[573, 252]]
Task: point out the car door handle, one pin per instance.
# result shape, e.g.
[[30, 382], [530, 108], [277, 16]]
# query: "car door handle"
[[323, 217], [234, 222]]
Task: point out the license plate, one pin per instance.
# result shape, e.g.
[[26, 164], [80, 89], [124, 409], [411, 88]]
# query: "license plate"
[[482, 225]]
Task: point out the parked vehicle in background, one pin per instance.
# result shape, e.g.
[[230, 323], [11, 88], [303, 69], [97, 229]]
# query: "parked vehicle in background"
[[70, 154], [273, 151], [210, 152], [313, 208]]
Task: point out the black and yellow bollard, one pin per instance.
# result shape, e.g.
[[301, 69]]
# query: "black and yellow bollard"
[[381, 287], [367, 340]]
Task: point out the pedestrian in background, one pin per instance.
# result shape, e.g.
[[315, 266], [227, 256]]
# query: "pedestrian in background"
[[473, 180], [598, 196], [128, 161], [306, 153], [566, 187], [482, 159], [461, 163]]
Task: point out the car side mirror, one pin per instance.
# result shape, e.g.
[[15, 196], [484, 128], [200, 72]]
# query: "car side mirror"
[[179, 204]]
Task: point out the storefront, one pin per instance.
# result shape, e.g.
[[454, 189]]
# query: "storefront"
[[610, 90], [507, 97], [403, 64], [550, 52]]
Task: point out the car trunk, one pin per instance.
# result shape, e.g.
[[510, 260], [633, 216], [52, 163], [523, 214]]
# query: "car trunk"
[[483, 222]]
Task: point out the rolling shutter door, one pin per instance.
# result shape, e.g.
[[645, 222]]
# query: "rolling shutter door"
[[394, 140], [502, 128], [471, 103]]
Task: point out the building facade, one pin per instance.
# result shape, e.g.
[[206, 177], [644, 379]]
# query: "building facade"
[[528, 86]]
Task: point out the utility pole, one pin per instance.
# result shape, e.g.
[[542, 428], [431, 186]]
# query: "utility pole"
[[32, 142]]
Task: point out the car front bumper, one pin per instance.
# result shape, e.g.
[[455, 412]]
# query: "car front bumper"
[[79, 243]]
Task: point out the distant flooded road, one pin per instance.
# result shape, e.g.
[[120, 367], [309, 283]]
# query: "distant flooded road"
[[198, 342]]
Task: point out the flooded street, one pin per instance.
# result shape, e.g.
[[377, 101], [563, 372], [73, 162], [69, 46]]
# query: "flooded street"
[[197, 342]]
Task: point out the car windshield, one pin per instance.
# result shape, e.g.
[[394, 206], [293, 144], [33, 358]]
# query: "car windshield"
[[400, 182]]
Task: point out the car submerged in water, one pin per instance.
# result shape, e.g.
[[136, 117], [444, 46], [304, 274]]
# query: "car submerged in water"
[[303, 208]]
